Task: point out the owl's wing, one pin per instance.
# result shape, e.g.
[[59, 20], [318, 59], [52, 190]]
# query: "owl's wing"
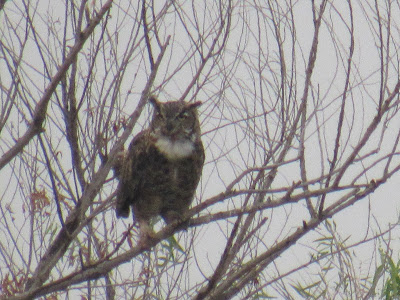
[[129, 178]]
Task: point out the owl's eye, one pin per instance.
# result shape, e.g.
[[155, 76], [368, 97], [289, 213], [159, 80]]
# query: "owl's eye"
[[158, 114], [183, 115]]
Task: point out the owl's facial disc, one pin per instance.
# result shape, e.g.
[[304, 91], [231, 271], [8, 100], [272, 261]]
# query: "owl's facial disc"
[[175, 127]]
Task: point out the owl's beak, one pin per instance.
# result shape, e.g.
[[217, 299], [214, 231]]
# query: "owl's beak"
[[170, 131], [170, 128]]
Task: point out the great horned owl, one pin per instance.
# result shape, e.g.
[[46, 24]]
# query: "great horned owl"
[[163, 165]]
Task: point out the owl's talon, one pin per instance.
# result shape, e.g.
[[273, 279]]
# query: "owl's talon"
[[146, 234], [144, 241], [172, 216]]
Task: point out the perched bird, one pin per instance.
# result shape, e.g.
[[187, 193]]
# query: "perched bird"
[[162, 167]]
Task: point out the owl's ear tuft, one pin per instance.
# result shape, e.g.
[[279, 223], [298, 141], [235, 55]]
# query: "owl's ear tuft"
[[156, 104], [195, 104], [153, 100]]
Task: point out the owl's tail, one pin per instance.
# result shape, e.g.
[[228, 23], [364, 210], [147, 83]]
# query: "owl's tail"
[[122, 206]]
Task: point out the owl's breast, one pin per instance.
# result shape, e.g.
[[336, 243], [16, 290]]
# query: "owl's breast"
[[167, 175], [170, 167]]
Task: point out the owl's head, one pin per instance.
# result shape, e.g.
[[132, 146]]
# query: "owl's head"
[[175, 120]]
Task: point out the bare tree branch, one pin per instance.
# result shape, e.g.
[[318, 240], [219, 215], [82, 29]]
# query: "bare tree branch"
[[39, 115]]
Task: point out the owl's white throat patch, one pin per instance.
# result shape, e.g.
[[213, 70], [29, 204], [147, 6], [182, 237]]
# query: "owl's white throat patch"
[[174, 149]]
